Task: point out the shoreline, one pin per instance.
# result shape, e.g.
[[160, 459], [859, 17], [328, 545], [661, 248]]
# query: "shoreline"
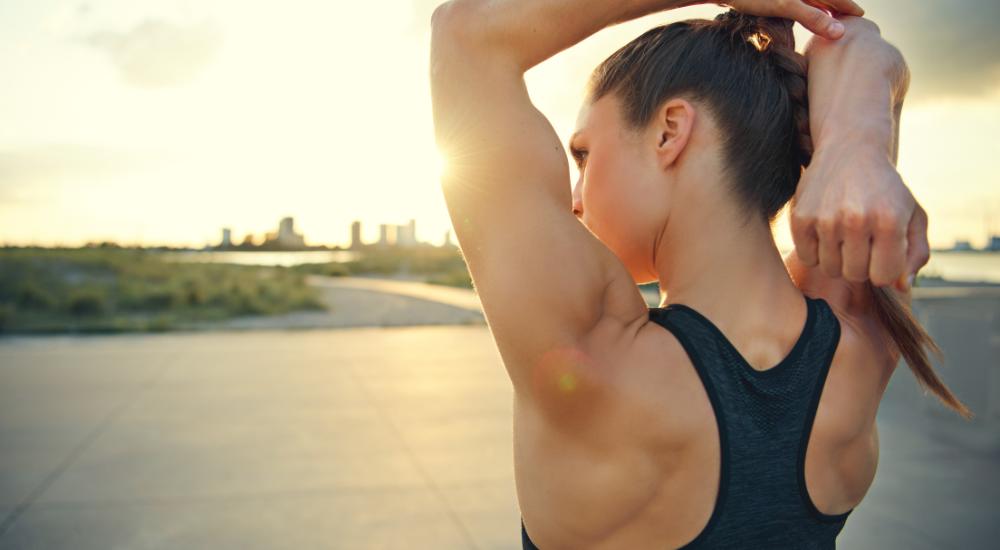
[[406, 301]]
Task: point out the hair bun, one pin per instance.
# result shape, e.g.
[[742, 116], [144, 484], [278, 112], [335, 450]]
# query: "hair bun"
[[773, 36], [761, 32]]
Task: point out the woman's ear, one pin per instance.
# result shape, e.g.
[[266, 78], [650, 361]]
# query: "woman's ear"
[[674, 124]]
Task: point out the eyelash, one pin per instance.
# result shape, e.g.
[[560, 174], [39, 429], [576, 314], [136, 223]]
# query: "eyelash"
[[578, 155]]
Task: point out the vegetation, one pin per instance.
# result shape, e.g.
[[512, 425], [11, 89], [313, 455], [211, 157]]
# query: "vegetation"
[[442, 266], [111, 289]]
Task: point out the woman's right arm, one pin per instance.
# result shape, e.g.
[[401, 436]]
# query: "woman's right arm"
[[856, 90], [852, 215]]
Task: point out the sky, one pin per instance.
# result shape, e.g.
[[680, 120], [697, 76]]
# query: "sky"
[[161, 122]]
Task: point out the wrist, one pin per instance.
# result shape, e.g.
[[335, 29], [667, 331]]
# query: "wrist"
[[855, 148], [867, 133]]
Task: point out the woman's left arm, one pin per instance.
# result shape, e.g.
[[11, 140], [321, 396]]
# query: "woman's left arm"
[[555, 297]]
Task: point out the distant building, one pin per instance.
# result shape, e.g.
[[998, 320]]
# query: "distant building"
[[356, 236], [962, 245], [384, 239], [447, 239], [406, 235], [227, 238], [285, 237], [994, 244]]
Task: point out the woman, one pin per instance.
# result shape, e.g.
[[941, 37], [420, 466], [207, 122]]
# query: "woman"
[[741, 412]]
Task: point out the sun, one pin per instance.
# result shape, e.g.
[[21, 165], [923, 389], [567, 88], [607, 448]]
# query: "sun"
[[440, 164]]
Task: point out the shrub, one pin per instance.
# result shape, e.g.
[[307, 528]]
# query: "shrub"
[[6, 314], [86, 302], [34, 296]]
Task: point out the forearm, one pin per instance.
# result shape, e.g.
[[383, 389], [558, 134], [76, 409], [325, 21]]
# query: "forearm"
[[531, 31], [856, 89]]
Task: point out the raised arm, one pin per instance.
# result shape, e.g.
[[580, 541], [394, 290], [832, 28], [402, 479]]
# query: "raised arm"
[[852, 216], [856, 91], [554, 295]]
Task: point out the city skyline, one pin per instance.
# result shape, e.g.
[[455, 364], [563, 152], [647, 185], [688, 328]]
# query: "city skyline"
[[149, 122], [286, 237]]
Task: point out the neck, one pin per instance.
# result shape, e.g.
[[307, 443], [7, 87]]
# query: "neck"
[[721, 269]]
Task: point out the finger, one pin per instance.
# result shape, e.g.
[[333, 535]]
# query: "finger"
[[818, 21], [829, 249], [917, 249], [805, 239], [856, 252], [888, 261]]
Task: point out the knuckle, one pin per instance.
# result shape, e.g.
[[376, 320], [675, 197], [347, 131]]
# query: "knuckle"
[[854, 220], [826, 226], [887, 217], [799, 218]]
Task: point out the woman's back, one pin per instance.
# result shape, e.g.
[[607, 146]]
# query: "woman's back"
[[645, 471]]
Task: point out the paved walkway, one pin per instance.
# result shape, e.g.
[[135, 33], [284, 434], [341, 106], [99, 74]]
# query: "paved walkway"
[[384, 438]]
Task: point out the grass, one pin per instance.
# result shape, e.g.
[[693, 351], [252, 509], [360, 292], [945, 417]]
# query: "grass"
[[119, 290], [441, 266]]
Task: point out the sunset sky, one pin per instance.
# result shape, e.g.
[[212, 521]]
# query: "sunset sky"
[[160, 122]]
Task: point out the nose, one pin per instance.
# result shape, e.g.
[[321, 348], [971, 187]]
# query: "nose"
[[578, 199]]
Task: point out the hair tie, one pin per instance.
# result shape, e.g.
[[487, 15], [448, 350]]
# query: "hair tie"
[[746, 28]]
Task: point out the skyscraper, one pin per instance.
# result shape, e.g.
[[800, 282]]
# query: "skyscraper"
[[383, 234], [406, 235], [286, 237], [356, 236]]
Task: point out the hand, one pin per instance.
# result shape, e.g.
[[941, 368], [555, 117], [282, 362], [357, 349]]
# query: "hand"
[[811, 14], [854, 217]]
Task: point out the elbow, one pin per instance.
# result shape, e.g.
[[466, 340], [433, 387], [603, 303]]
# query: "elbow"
[[458, 21]]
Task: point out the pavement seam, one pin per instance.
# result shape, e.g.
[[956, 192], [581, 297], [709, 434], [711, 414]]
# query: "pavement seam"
[[81, 447]]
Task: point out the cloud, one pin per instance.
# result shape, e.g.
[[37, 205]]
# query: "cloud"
[[952, 47], [158, 53]]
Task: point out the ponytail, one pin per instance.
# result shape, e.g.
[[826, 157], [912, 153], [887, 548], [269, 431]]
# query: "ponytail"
[[910, 340]]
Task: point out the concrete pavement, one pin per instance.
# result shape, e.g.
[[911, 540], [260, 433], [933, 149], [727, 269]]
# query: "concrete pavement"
[[388, 438]]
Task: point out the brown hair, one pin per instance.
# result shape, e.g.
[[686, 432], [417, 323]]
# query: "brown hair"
[[744, 69]]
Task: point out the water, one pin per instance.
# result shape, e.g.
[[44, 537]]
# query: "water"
[[964, 266], [958, 266], [952, 266], [245, 257]]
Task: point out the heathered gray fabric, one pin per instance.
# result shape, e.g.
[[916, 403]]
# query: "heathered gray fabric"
[[764, 419]]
